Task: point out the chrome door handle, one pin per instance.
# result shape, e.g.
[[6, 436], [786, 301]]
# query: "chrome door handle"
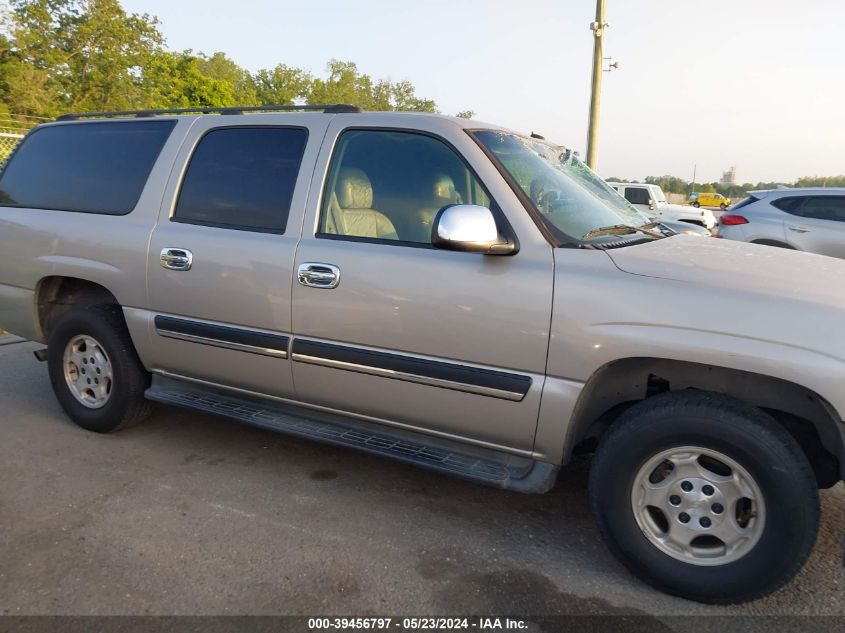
[[798, 229], [316, 275], [176, 258]]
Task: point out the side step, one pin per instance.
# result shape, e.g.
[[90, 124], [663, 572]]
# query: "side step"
[[486, 466]]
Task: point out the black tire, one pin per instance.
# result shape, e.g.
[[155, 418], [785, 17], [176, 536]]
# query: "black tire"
[[739, 431], [696, 204], [723, 206], [126, 403]]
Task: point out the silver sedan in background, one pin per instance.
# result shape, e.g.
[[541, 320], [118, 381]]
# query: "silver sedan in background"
[[808, 219]]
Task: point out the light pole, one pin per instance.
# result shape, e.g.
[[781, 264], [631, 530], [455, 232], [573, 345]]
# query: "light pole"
[[597, 28]]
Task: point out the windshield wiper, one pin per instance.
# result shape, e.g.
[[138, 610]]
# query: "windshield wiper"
[[623, 229]]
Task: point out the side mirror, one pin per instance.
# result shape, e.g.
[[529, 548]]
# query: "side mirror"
[[651, 205], [469, 228]]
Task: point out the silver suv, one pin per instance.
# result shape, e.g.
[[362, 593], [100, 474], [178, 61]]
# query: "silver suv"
[[447, 293], [809, 219]]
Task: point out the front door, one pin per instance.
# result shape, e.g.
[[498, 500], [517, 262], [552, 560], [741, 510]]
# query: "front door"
[[388, 328], [235, 210]]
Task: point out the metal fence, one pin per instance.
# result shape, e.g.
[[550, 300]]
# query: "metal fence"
[[13, 127]]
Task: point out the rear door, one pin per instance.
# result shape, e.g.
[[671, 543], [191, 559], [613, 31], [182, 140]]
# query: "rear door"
[[394, 330], [221, 257], [820, 225]]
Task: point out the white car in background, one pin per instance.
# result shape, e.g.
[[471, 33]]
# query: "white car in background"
[[806, 219], [651, 200]]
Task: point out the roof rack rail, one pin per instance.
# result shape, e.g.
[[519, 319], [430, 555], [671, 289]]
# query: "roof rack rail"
[[336, 108]]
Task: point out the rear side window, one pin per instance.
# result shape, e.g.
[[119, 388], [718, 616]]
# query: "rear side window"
[[242, 178], [790, 204], [90, 167], [635, 195], [743, 203], [825, 208]]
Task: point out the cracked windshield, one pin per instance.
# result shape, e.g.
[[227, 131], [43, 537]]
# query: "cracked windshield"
[[569, 196]]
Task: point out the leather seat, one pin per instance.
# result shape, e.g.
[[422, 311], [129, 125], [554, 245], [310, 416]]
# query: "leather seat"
[[443, 194], [350, 208]]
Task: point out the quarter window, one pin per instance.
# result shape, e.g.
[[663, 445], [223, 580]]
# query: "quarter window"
[[387, 185], [790, 204], [242, 178], [89, 167]]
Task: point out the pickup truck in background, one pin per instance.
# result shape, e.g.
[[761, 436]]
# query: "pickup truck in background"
[[447, 293], [651, 200]]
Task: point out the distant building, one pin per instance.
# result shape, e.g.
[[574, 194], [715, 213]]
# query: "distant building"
[[729, 177]]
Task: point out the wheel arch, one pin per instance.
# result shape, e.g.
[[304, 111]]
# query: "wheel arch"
[[776, 243], [621, 383], [56, 294]]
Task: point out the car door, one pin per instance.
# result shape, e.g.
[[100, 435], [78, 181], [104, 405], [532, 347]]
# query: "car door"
[[387, 327], [221, 256], [819, 226]]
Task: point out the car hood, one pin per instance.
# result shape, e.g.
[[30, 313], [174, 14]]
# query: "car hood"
[[737, 266], [680, 208]]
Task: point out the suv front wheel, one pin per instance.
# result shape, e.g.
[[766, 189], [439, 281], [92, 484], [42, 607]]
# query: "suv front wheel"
[[705, 497], [95, 371]]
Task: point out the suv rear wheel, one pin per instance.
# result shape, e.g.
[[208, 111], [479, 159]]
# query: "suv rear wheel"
[[95, 371], [705, 497]]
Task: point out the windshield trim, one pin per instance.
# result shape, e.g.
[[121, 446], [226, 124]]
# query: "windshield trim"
[[553, 235]]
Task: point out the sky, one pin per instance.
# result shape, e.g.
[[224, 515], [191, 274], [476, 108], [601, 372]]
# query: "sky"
[[700, 85]]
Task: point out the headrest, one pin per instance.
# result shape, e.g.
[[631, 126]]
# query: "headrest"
[[354, 190], [444, 187]]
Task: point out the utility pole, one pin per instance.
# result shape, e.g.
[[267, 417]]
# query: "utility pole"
[[597, 28]]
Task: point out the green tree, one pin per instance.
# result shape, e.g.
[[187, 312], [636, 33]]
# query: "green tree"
[[468, 114], [345, 84], [176, 80], [221, 68], [77, 55], [821, 181], [85, 55], [404, 97], [282, 85]]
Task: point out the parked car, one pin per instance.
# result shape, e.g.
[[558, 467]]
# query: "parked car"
[[447, 293], [651, 200], [709, 200], [807, 219]]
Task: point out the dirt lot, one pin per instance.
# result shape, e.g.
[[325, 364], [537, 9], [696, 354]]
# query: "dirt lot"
[[193, 514]]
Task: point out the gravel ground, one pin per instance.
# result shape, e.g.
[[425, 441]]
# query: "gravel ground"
[[194, 514]]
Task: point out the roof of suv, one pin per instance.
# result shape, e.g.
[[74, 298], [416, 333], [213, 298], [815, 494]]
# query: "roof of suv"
[[798, 191], [274, 111]]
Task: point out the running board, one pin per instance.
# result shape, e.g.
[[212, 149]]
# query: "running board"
[[494, 468]]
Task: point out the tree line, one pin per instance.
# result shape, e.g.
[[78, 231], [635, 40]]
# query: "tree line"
[[673, 184], [89, 55]]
